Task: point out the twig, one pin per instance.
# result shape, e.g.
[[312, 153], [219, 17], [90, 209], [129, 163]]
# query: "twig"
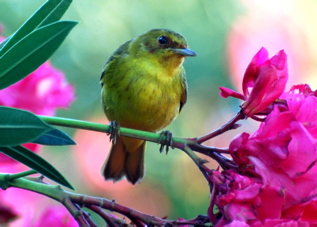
[[22, 174], [89, 220], [180, 143], [87, 217], [54, 192], [228, 126], [73, 202], [104, 215]]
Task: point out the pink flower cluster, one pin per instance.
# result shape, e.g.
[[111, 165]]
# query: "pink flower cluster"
[[42, 92], [276, 182]]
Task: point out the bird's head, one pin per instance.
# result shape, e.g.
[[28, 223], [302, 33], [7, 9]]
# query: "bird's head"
[[166, 46]]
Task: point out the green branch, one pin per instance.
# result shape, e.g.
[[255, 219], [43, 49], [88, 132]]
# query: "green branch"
[[183, 144], [36, 185], [86, 125]]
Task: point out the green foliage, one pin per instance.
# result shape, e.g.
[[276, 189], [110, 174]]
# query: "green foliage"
[[35, 162], [34, 42], [19, 126], [20, 54], [49, 12], [54, 137], [32, 51]]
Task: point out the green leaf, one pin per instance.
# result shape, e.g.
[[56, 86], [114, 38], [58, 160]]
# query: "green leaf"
[[34, 161], [32, 51], [51, 11], [4, 42], [54, 137], [19, 126]]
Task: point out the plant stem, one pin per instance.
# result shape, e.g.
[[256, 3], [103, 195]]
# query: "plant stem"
[[22, 174], [226, 127], [180, 143], [54, 192], [86, 125], [73, 202]]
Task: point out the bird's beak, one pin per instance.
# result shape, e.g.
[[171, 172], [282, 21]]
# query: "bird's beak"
[[184, 52]]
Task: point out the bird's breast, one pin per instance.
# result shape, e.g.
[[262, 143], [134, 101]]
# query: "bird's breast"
[[146, 102], [156, 103]]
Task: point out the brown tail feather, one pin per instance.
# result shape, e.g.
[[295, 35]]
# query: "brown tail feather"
[[134, 165], [113, 168], [126, 159]]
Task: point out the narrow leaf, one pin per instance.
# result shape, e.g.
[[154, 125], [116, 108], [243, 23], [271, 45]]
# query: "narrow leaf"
[[51, 11], [32, 51], [4, 42], [34, 161], [19, 126], [54, 137]]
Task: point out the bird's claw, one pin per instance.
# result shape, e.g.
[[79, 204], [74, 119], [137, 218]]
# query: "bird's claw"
[[114, 131], [166, 139]]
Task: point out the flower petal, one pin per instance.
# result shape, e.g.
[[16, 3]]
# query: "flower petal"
[[267, 80]]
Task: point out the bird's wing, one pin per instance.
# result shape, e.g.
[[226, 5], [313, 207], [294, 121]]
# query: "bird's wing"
[[109, 71], [184, 94], [111, 63]]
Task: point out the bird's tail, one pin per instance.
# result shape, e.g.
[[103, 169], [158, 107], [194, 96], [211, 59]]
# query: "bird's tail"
[[126, 159]]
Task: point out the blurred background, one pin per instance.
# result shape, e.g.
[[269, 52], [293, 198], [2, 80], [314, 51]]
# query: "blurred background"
[[224, 34]]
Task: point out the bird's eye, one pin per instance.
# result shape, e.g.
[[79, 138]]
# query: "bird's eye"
[[162, 40]]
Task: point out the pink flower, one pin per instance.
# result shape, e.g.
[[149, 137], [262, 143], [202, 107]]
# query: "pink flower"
[[266, 78], [42, 92], [283, 150], [277, 181], [301, 101], [244, 199], [56, 216]]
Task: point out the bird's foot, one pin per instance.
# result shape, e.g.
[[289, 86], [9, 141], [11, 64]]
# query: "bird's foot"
[[166, 139], [114, 131]]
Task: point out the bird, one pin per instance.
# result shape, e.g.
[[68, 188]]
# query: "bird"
[[143, 87]]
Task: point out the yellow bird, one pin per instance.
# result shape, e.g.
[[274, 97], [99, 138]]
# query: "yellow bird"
[[143, 87]]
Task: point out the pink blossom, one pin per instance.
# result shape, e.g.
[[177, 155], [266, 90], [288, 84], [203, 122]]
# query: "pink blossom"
[[276, 184], [56, 216], [245, 201], [42, 92], [283, 150], [266, 78], [301, 101]]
